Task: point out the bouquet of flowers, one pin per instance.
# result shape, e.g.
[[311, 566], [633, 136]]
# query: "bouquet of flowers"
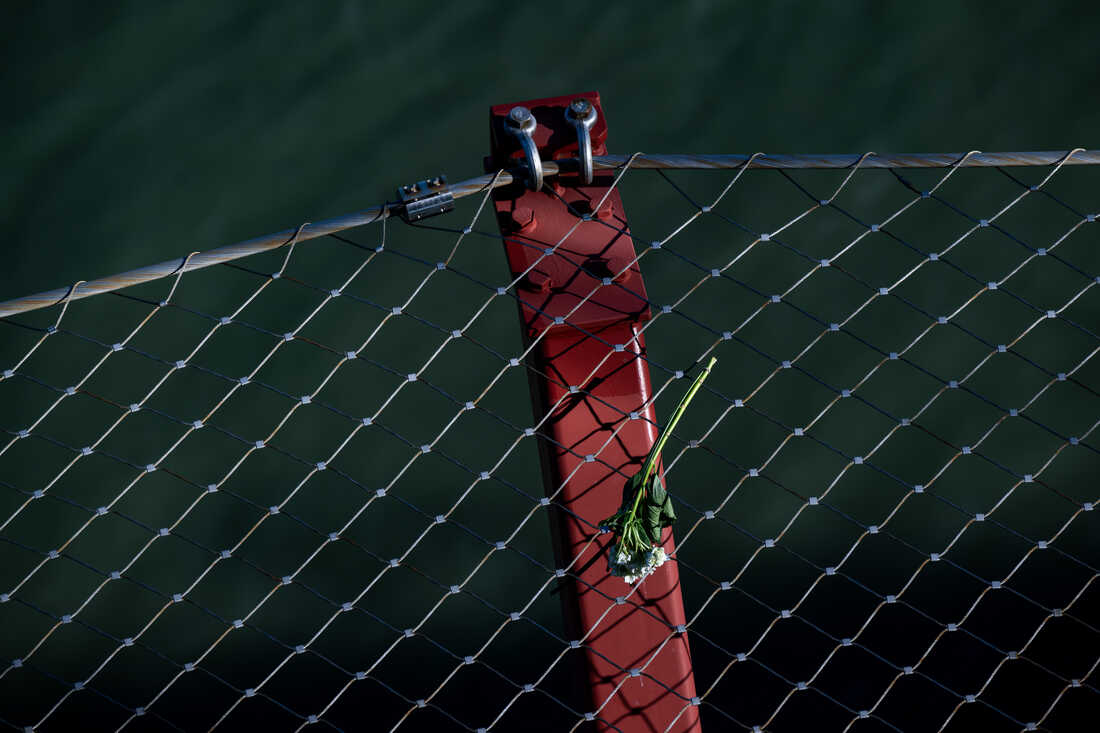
[[646, 508]]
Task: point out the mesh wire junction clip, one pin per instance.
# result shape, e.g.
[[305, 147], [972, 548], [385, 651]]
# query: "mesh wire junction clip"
[[424, 199]]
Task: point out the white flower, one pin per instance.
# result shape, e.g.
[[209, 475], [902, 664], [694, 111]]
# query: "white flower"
[[632, 568]]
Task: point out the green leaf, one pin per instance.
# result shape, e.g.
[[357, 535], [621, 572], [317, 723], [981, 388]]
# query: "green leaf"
[[656, 510], [657, 491], [668, 514], [630, 490]]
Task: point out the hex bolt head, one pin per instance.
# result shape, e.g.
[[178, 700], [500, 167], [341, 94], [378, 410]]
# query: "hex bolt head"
[[523, 219], [536, 281], [521, 118]]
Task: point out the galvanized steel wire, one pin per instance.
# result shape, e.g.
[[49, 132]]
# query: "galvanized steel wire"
[[474, 186]]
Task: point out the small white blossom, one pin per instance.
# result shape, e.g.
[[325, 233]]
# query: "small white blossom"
[[632, 568]]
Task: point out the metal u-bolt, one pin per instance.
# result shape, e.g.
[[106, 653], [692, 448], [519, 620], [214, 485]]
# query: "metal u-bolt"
[[521, 123], [582, 115]]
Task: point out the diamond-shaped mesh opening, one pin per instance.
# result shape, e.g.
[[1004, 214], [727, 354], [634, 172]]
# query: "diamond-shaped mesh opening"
[[307, 487]]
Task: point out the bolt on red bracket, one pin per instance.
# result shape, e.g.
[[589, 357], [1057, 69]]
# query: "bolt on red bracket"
[[590, 359]]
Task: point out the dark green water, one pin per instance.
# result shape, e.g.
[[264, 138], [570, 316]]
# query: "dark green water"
[[137, 134], [134, 134]]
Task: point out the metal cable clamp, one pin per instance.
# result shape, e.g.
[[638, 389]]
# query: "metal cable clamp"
[[521, 123], [425, 198], [582, 115]]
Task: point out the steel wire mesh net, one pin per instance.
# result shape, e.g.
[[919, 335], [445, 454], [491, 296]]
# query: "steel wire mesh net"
[[304, 488]]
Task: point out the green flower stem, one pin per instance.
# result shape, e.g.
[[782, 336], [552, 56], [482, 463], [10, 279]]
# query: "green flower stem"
[[655, 452]]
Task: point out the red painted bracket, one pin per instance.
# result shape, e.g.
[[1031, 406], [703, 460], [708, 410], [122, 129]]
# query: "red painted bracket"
[[590, 375]]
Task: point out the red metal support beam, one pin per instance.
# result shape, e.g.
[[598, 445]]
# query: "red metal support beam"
[[589, 369]]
